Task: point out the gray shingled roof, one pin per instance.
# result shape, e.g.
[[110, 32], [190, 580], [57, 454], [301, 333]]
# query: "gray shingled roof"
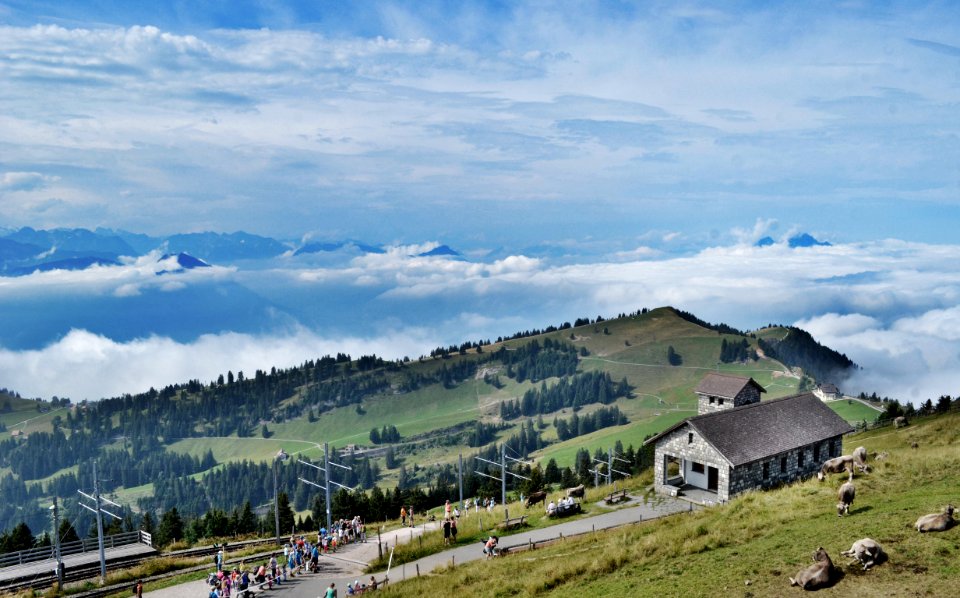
[[760, 430], [724, 385]]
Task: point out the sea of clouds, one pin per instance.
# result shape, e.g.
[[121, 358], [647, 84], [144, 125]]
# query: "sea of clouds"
[[891, 306]]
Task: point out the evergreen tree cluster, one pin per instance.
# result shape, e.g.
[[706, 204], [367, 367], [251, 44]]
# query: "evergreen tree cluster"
[[570, 392], [721, 328], [800, 349], [604, 417], [386, 435], [535, 362], [736, 351]]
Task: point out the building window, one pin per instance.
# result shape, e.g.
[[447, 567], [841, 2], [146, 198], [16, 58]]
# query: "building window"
[[816, 453], [783, 464], [712, 400], [696, 467], [720, 402], [800, 458], [766, 470], [690, 438]]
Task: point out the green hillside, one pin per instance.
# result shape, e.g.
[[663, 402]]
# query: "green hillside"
[[750, 546], [435, 404]]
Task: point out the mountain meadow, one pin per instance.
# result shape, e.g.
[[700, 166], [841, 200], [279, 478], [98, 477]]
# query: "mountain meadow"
[[558, 397], [751, 545]]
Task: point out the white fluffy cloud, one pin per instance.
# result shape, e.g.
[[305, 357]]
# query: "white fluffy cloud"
[[100, 367]]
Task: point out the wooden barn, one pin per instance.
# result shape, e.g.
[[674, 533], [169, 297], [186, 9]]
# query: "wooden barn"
[[739, 443]]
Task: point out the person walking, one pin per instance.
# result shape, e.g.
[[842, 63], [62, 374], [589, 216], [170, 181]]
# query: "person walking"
[[403, 516]]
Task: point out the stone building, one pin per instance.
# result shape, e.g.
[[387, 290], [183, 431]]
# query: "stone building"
[[739, 443], [828, 392]]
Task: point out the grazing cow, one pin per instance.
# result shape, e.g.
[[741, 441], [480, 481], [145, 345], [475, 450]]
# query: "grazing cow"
[[536, 497], [936, 522], [836, 465], [860, 458], [817, 575], [900, 422], [845, 495], [867, 551], [577, 491]]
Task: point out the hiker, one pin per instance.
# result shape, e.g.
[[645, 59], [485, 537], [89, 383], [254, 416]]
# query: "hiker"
[[403, 516]]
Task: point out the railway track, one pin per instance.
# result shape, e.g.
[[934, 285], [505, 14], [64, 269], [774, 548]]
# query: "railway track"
[[92, 570]]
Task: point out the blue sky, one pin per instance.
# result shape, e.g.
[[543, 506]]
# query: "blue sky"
[[624, 135]]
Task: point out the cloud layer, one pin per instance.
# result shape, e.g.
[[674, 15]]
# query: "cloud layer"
[[890, 305]]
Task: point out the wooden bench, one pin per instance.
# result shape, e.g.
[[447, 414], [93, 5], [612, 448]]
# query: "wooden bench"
[[514, 522], [615, 497], [567, 511]]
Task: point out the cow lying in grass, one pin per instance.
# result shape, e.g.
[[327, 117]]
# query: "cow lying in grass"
[[867, 551], [936, 522], [576, 491], [845, 496], [835, 465], [817, 575]]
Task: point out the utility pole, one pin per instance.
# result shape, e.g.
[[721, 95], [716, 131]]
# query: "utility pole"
[[99, 510], [56, 542], [326, 478], [281, 456], [103, 557], [504, 472], [460, 478], [503, 478]]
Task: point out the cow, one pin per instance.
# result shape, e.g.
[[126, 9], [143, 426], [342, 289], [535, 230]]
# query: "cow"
[[900, 422], [845, 495], [536, 497], [817, 575], [867, 551], [835, 465], [936, 522], [577, 491], [860, 458]]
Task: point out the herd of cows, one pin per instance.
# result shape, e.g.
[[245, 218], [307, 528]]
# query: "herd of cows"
[[867, 551]]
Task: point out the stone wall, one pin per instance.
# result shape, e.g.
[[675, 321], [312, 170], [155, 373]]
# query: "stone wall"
[[677, 444], [749, 395], [750, 475], [733, 481]]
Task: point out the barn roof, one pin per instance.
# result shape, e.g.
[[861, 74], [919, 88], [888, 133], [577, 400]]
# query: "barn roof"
[[829, 388], [724, 385], [751, 432]]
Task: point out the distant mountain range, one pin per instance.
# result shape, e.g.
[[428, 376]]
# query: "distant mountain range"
[[801, 240], [28, 250]]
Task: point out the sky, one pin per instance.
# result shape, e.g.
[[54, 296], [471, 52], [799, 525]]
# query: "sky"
[[648, 145]]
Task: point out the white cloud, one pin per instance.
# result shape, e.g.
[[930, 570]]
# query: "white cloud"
[[24, 181], [100, 367]]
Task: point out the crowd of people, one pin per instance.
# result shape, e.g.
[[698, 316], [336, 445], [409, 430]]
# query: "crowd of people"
[[565, 503], [299, 556]]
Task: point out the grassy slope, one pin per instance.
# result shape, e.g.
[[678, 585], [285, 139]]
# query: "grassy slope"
[[635, 348], [760, 538]]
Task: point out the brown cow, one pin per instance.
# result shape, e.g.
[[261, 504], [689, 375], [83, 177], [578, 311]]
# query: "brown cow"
[[835, 465], [845, 495], [817, 575], [867, 551], [577, 491], [936, 522], [536, 497]]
